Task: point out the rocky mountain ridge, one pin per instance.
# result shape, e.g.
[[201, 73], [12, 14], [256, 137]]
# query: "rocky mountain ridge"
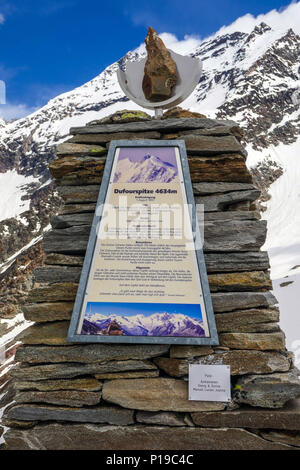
[[157, 324]]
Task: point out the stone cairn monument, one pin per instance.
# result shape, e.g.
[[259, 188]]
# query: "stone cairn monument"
[[135, 396], [114, 396]]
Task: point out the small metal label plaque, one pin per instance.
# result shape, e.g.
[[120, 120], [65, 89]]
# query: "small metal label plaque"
[[209, 383]]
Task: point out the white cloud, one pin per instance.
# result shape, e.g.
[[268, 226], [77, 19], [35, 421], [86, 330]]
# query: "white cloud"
[[2, 18], [185, 46], [11, 111], [188, 44], [281, 19]]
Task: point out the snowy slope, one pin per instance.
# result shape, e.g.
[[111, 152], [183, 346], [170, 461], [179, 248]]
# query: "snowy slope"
[[13, 187], [283, 214], [283, 237], [287, 291]]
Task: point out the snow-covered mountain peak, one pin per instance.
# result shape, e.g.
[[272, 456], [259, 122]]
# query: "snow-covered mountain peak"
[[149, 168], [261, 29]]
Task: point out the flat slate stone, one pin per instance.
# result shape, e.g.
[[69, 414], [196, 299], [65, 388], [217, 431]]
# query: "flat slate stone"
[[220, 202], [163, 418], [257, 328], [77, 170], [104, 138], [60, 397], [240, 361], [88, 353], [70, 370], [79, 194], [189, 351], [57, 274], [233, 262], [234, 235], [212, 145], [82, 384], [205, 189], [291, 438], [121, 116], [53, 334], [66, 166], [72, 240], [268, 391], [154, 125], [217, 131], [48, 312], [285, 418], [63, 260], [69, 220], [69, 148], [100, 414], [78, 208], [221, 168], [241, 320], [138, 437], [232, 215], [15, 423], [60, 291], [240, 281], [229, 301], [128, 375], [258, 341], [157, 394]]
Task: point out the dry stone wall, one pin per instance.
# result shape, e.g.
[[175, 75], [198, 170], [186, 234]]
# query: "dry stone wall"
[[108, 396]]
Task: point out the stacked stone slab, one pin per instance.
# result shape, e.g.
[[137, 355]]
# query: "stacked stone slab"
[[110, 396]]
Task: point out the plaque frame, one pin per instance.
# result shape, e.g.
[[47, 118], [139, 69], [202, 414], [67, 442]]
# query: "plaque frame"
[[73, 336]]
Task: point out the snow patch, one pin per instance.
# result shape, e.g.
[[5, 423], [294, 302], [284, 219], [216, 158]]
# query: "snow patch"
[[19, 324], [13, 187], [283, 214], [4, 266], [288, 298]]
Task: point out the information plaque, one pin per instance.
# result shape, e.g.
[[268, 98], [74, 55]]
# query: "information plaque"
[[209, 382], [144, 277]]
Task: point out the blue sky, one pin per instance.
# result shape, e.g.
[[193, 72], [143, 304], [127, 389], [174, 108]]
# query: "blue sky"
[[52, 46], [131, 309]]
